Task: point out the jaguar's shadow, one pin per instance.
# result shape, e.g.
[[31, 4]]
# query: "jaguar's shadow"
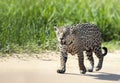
[[101, 76]]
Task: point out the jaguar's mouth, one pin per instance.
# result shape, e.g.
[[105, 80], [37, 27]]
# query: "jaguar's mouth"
[[66, 43]]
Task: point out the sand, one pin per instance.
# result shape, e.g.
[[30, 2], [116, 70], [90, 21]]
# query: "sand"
[[41, 68]]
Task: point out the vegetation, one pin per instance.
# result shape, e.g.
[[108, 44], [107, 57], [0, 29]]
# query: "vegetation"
[[27, 25]]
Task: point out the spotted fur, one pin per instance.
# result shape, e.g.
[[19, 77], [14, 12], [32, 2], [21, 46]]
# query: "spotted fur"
[[78, 38]]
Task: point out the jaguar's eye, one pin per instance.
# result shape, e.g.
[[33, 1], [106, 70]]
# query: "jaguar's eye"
[[64, 34]]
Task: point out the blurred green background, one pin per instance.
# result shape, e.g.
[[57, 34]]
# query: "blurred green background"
[[27, 25]]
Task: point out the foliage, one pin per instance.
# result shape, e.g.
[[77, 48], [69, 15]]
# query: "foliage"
[[28, 23]]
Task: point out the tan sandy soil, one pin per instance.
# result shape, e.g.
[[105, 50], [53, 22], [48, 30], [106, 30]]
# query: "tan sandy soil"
[[41, 68]]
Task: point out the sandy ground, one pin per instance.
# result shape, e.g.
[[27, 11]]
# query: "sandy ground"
[[41, 68]]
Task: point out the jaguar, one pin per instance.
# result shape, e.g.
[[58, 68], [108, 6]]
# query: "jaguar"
[[75, 40]]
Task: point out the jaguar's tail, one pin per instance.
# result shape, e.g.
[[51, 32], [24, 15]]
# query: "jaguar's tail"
[[105, 51]]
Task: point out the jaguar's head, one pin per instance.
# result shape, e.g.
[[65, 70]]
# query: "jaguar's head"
[[62, 34]]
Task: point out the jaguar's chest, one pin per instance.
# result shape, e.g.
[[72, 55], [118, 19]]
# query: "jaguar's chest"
[[73, 49]]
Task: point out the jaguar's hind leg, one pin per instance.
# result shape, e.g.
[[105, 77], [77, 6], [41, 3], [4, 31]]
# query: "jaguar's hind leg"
[[91, 60], [81, 63], [98, 53]]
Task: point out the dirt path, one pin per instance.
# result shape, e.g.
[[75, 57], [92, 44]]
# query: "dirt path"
[[43, 69]]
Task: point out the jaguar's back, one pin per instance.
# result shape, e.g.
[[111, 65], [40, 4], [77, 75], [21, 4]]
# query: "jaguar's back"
[[85, 36]]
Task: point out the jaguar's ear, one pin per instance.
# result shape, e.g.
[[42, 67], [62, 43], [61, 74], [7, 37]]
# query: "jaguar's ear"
[[55, 28]]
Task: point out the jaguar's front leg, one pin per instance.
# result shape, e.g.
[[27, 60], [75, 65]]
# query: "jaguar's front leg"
[[63, 60]]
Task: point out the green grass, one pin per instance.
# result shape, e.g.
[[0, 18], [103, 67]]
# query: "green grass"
[[112, 45], [27, 25]]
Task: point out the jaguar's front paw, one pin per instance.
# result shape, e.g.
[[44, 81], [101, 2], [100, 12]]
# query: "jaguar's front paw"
[[83, 71], [62, 71]]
